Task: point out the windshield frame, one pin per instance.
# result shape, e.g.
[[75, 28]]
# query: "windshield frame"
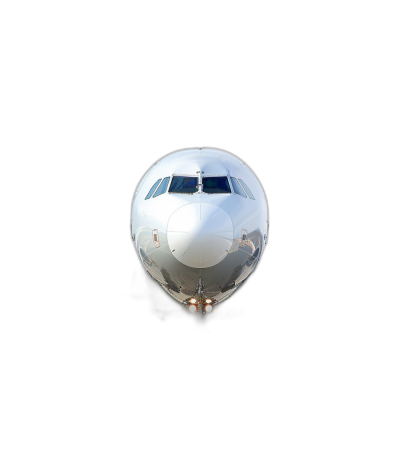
[[246, 189], [240, 187], [199, 185], [182, 192], [153, 189], [216, 176], [162, 189]]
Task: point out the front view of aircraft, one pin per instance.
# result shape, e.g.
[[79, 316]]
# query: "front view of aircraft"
[[199, 223]]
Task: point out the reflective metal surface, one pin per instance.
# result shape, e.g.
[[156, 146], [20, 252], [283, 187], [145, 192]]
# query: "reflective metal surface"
[[199, 245]]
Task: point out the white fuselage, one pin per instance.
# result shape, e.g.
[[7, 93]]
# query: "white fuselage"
[[199, 223]]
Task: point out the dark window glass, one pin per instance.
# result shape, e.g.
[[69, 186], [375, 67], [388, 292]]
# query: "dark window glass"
[[162, 188], [246, 188], [237, 188], [183, 184], [152, 189], [216, 184]]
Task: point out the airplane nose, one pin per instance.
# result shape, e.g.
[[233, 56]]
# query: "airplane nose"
[[200, 235]]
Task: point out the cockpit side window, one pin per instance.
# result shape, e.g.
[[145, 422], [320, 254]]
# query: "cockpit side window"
[[246, 188], [152, 189], [237, 188], [215, 184], [162, 188], [183, 184]]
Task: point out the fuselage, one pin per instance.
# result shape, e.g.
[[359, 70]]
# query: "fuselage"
[[199, 223]]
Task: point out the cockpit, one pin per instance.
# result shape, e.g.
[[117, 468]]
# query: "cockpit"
[[216, 185], [183, 184], [207, 184]]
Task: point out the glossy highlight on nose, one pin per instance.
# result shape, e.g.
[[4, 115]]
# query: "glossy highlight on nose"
[[200, 235]]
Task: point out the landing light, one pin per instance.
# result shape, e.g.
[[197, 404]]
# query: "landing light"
[[208, 301], [193, 301]]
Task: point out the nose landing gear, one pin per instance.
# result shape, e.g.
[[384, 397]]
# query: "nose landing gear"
[[199, 302]]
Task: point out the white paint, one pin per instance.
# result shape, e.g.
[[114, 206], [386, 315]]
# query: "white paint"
[[200, 234]]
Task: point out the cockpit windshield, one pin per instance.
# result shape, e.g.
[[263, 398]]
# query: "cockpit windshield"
[[183, 184], [216, 185]]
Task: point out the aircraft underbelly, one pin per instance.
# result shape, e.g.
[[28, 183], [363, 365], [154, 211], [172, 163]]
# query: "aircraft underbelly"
[[181, 281]]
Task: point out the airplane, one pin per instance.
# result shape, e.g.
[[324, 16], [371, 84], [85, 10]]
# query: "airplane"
[[199, 224]]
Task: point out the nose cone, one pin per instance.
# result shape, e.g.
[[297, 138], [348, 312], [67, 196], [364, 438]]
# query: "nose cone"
[[200, 235]]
